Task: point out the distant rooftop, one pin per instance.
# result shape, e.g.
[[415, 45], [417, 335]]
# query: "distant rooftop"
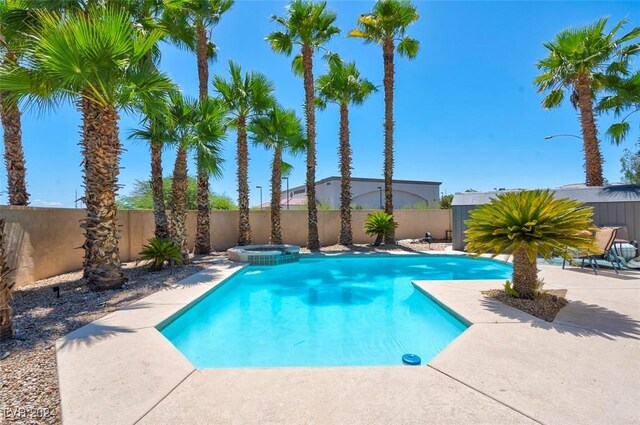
[[588, 194], [365, 179]]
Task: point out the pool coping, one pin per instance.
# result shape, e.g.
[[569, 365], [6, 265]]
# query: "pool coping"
[[121, 369]]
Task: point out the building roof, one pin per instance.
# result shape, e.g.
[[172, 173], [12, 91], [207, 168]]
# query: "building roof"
[[365, 179], [588, 194]]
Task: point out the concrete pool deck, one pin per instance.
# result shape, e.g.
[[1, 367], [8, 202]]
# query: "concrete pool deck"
[[507, 368]]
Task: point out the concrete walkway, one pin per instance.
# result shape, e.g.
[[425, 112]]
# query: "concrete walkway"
[[507, 368]]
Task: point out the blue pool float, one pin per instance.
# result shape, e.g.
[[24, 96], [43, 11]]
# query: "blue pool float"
[[411, 359]]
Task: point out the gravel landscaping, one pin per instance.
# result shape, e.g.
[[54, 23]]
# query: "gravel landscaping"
[[545, 306], [28, 375]]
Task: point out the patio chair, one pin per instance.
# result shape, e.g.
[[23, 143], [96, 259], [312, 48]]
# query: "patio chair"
[[604, 240]]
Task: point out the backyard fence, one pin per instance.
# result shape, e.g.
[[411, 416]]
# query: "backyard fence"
[[45, 242]]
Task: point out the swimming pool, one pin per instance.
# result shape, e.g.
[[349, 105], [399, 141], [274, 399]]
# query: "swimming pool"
[[335, 311]]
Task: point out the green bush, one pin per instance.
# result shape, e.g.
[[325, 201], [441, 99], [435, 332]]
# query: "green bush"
[[379, 224], [527, 224], [160, 251]]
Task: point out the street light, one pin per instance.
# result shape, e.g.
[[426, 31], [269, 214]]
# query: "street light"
[[380, 190], [561, 135], [287, 179], [260, 187]]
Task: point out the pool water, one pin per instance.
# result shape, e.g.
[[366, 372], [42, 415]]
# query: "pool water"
[[335, 311]]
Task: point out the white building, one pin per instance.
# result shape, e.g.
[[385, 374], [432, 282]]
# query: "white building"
[[365, 193]]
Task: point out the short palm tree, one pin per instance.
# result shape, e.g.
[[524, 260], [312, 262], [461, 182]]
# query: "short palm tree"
[[160, 251], [13, 26], [188, 23], [280, 130], [94, 57], [386, 25], [527, 224], [198, 126], [309, 25], [344, 86], [379, 224], [579, 61], [245, 97]]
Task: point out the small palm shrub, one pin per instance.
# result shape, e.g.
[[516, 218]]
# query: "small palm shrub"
[[379, 224], [160, 251], [527, 224]]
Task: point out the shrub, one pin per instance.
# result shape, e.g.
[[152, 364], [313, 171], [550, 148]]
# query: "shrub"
[[527, 224], [159, 251], [379, 224]]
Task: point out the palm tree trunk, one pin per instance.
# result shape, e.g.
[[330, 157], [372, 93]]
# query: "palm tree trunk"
[[244, 226], [159, 209], [313, 241], [13, 154], [203, 233], [525, 274], [591, 144], [6, 325], [346, 234], [179, 202], [101, 148], [387, 55], [276, 196]]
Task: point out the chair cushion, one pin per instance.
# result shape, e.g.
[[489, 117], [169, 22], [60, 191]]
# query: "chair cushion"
[[624, 250]]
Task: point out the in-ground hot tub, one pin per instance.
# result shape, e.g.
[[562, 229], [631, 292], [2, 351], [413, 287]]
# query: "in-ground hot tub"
[[265, 255]]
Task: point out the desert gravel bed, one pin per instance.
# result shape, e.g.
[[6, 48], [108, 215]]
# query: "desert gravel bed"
[[545, 306], [28, 376]]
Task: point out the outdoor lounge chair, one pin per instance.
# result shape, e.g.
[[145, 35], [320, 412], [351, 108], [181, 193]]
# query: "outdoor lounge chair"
[[604, 240]]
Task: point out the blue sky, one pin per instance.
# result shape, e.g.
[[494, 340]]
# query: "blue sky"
[[466, 110]]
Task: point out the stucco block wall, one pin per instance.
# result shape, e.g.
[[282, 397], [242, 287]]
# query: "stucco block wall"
[[45, 242]]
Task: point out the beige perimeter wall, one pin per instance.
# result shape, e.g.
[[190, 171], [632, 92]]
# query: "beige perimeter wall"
[[44, 242]]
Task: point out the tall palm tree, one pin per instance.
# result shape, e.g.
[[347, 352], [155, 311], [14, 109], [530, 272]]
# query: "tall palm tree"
[[196, 126], [189, 23], [309, 25], [96, 59], [13, 24], [280, 130], [343, 86], [245, 97], [623, 98], [386, 25], [154, 131], [579, 61]]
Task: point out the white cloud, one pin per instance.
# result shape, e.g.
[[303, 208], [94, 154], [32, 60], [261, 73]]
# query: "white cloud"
[[43, 203]]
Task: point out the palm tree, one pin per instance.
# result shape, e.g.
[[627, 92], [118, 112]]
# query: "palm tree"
[[188, 23], [309, 25], [579, 61], [527, 224], [245, 97], [95, 58], [197, 126], [280, 130], [12, 42], [386, 25], [623, 98], [343, 86], [6, 325], [154, 131]]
